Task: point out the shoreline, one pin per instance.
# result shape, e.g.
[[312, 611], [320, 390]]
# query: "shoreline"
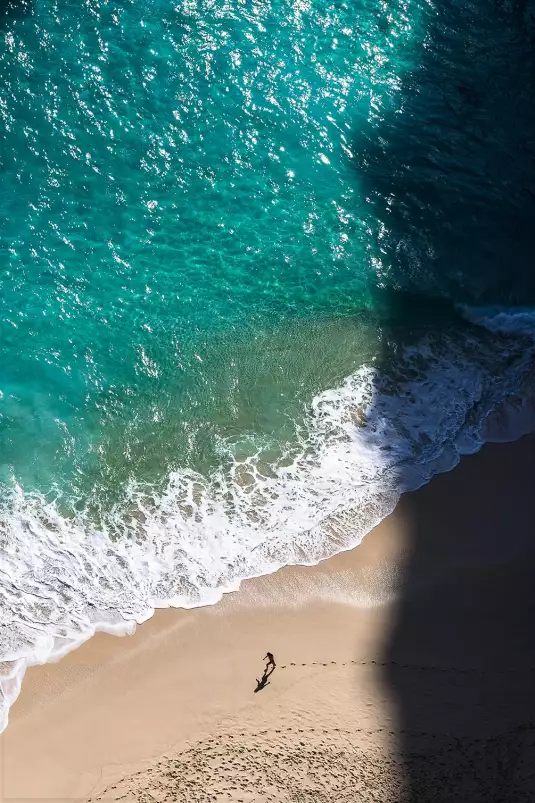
[[41, 637], [508, 422], [114, 706]]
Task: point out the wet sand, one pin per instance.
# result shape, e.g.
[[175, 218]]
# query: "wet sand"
[[405, 670]]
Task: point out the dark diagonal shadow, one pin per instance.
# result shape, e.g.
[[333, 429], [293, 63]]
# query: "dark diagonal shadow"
[[450, 179], [466, 720]]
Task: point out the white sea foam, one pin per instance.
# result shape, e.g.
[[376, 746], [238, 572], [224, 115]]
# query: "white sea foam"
[[386, 429]]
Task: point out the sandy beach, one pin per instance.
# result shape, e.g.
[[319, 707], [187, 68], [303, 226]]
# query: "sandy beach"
[[405, 671]]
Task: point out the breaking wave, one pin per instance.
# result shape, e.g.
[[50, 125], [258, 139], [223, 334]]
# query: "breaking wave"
[[386, 429]]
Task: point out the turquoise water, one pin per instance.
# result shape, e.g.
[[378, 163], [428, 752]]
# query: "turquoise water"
[[235, 237], [175, 181]]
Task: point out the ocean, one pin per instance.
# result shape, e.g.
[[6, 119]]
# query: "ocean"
[[265, 266]]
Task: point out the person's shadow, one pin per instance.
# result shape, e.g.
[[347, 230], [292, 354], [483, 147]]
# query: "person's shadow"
[[264, 680]]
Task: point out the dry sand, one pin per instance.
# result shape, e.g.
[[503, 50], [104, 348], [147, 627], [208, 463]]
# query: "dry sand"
[[405, 671]]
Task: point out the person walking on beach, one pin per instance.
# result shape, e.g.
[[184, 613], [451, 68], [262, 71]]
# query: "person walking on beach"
[[268, 670]]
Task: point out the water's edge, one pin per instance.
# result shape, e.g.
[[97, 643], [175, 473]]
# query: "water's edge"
[[515, 421]]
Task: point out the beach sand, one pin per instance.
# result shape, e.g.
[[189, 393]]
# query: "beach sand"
[[405, 671]]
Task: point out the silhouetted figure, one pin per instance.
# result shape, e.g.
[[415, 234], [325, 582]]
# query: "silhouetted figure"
[[269, 669]]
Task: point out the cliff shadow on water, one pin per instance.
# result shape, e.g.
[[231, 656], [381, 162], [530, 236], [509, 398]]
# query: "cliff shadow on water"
[[449, 175], [449, 169]]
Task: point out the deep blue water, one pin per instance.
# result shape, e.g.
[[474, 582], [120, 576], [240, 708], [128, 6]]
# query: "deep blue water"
[[262, 264]]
